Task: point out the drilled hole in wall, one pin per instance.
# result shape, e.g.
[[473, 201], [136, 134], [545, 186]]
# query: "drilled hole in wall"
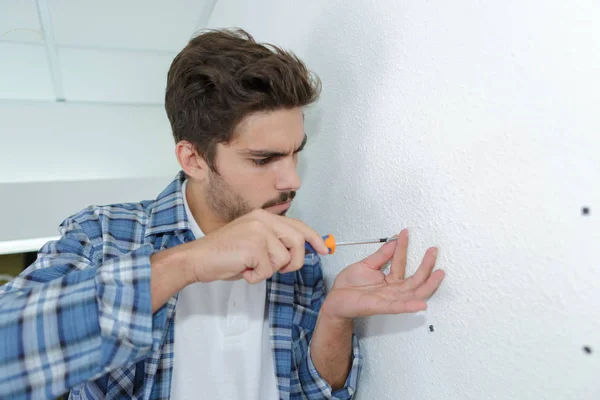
[[585, 210], [431, 328]]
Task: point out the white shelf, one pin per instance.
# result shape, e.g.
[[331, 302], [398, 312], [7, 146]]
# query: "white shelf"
[[30, 212], [25, 245]]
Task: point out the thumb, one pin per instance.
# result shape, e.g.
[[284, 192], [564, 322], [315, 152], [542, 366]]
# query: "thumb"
[[380, 257]]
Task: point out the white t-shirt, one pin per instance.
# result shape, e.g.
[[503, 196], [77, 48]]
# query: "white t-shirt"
[[222, 346]]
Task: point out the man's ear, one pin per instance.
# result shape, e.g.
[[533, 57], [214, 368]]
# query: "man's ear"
[[192, 163]]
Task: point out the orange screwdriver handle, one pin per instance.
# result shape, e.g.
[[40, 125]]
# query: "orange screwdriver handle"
[[329, 242]]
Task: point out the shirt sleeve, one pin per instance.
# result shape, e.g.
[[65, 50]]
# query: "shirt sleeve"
[[314, 386], [66, 320]]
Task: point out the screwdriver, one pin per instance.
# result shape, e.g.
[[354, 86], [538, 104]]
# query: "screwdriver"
[[332, 244]]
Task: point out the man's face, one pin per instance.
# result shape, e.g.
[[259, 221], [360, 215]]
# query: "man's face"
[[258, 168]]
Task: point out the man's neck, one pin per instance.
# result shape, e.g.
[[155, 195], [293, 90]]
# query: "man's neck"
[[205, 219]]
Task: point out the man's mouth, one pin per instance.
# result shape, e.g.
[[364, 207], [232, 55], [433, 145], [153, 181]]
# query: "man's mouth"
[[281, 207]]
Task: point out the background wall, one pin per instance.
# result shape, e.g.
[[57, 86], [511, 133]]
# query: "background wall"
[[475, 125], [81, 141], [82, 86], [82, 119]]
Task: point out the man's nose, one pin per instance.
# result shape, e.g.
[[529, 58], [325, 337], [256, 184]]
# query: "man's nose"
[[288, 179]]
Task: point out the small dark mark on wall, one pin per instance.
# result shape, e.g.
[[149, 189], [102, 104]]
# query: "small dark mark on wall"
[[585, 211], [431, 328], [587, 349]]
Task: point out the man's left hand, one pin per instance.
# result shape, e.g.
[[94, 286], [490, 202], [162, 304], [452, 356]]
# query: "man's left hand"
[[362, 289]]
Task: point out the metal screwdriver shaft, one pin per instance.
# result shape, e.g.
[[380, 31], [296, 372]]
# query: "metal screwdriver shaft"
[[380, 240], [331, 243]]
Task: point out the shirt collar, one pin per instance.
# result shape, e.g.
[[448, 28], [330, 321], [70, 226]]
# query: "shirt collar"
[[168, 213], [195, 228]]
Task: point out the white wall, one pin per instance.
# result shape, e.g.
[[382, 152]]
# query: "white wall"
[[58, 158], [475, 125], [42, 141], [111, 140]]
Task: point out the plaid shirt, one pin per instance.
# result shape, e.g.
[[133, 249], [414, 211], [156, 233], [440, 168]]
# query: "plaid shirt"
[[80, 318]]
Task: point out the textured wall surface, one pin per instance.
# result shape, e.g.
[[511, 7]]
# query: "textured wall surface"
[[474, 124]]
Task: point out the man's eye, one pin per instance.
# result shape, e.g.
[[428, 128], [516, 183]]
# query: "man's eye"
[[261, 161]]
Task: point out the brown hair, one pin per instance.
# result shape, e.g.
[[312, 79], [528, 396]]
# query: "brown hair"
[[221, 76]]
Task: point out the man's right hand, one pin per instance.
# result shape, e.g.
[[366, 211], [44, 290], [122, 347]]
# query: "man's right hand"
[[252, 247]]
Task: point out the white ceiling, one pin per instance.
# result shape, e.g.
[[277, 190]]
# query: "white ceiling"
[[93, 51]]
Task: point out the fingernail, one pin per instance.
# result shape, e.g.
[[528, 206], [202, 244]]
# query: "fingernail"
[[435, 252]]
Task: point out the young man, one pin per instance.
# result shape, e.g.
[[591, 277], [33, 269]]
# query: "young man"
[[205, 292]]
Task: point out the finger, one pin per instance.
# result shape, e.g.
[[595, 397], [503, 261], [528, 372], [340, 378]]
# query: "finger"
[[398, 268], [260, 269], [295, 246], [310, 235], [291, 238], [277, 222], [424, 269], [294, 242], [267, 258], [279, 255], [426, 290], [378, 259]]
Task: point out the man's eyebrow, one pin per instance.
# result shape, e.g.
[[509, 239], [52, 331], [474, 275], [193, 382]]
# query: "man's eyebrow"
[[301, 147], [271, 153]]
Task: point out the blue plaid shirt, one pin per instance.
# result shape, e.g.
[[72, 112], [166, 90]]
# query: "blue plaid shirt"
[[80, 318]]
